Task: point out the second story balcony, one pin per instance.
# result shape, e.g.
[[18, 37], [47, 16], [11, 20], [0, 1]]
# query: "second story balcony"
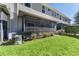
[[26, 10]]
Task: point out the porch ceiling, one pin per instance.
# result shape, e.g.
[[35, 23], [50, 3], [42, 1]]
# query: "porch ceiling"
[[34, 13]]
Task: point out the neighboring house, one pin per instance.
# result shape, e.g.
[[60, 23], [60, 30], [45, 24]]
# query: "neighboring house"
[[25, 17]]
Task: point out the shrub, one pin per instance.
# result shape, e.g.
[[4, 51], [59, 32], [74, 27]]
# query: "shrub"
[[12, 41], [51, 33], [47, 34], [60, 31], [34, 35], [44, 34], [72, 29], [40, 35]]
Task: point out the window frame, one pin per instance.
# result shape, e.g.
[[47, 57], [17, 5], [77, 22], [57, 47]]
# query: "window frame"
[[28, 5]]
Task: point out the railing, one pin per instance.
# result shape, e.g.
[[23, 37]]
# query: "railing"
[[39, 29]]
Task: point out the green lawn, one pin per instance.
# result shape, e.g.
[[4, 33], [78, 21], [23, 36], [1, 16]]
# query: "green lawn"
[[50, 46]]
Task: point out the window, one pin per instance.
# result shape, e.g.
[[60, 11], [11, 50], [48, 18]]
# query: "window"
[[43, 9], [60, 17], [30, 24], [0, 21], [53, 26], [58, 26], [63, 18], [68, 20], [56, 15], [27, 4], [48, 9], [53, 13]]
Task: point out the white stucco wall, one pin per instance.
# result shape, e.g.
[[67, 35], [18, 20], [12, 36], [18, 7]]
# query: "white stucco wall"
[[12, 7], [19, 24], [36, 6], [3, 16]]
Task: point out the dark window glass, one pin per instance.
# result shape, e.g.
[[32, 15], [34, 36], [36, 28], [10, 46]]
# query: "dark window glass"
[[43, 7], [53, 13], [27, 4], [58, 26], [43, 11], [56, 15], [30, 24], [0, 21], [5, 29], [53, 26], [48, 9], [60, 17]]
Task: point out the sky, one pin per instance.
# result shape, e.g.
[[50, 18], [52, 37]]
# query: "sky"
[[68, 9]]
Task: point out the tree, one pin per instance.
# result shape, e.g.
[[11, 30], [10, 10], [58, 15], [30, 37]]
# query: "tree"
[[77, 18]]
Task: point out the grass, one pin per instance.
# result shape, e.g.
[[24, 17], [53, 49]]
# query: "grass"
[[50, 46]]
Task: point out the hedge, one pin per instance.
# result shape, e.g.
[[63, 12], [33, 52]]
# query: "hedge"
[[72, 29]]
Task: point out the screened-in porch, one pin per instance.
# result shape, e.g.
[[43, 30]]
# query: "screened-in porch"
[[37, 25]]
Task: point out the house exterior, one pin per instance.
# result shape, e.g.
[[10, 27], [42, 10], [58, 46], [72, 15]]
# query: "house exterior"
[[26, 17]]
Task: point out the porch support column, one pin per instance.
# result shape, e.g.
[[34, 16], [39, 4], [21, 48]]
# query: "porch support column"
[[55, 27], [24, 24], [13, 18], [2, 31]]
